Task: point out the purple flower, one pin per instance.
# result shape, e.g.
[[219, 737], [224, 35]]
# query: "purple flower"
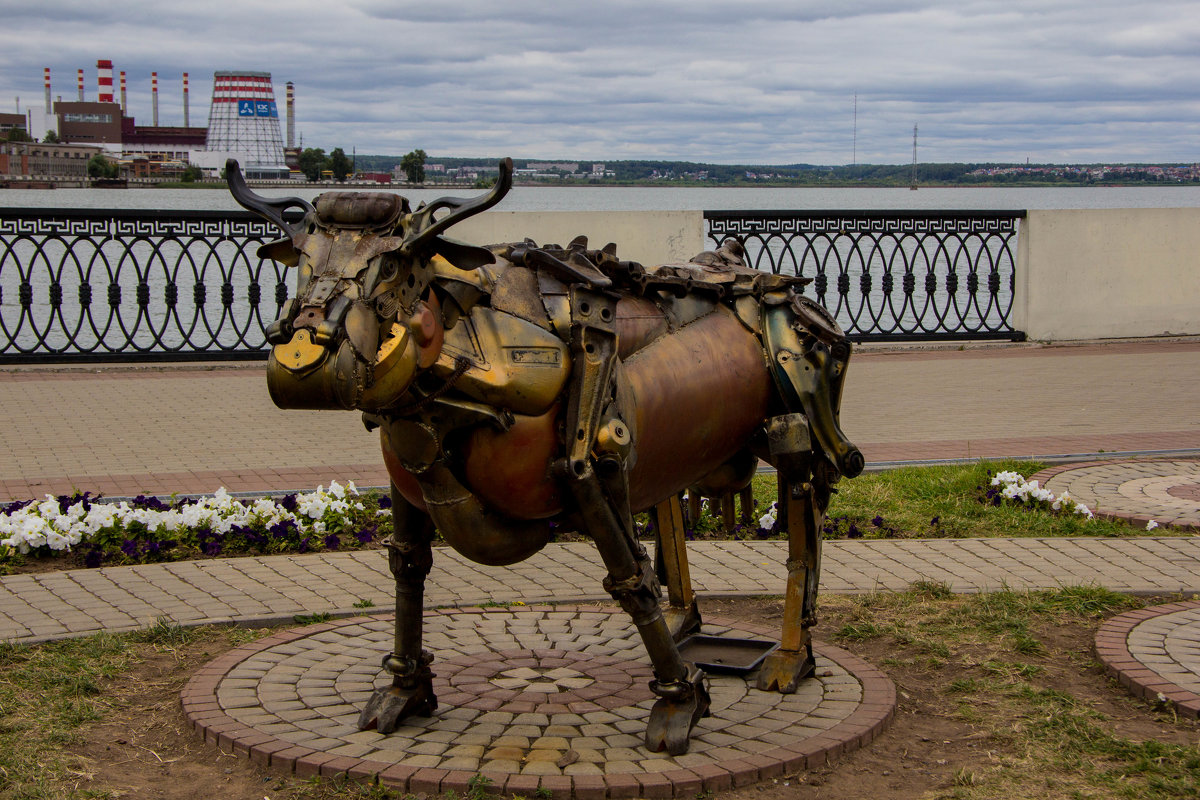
[[212, 548], [288, 501], [878, 521], [332, 541], [366, 534], [282, 530], [935, 520], [151, 503], [385, 502], [303, 546], [130, 548], [853, 532], [16, 506], [92, 559]]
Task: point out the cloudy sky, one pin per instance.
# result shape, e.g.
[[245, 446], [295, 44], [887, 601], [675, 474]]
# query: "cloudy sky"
[[738, 81]]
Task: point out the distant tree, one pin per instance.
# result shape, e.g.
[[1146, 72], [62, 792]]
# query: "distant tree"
[[100, 167], [339, 164], [16, 134], [51, 138], [312, 162], [191, 174], [413, 165]]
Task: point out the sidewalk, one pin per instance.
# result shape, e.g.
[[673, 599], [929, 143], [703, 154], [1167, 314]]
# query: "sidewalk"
[[123, 431], [187, 429], [273, 589]]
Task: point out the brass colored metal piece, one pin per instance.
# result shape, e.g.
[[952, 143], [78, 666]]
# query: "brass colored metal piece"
[[300, 354], [517, 388]]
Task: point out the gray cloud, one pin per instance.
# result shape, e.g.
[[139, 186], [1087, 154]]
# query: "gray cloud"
[[758, 81]]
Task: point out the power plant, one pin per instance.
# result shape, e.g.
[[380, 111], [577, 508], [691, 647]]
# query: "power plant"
[[243, 123]]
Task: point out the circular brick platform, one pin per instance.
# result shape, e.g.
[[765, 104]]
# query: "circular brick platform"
[[551, 697], [1166, 491], [1155, 653]]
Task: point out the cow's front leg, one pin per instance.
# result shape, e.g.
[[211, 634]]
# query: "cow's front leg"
[[410, 558]]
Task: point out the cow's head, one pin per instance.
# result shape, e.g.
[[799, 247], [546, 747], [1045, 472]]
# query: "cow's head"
[[363, 319]]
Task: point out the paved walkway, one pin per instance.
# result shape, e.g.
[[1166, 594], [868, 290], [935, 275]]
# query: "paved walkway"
[[270, 589], [1147, 492], [124, 431]]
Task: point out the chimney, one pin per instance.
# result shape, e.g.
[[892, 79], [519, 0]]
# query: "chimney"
[[46, 79], [185, 100], [291, 115], [123, 111], [104, 92], [81, 86], [154, 99]]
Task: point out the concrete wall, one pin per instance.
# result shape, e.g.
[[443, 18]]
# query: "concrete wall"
[[649, 237], [1093, 274]]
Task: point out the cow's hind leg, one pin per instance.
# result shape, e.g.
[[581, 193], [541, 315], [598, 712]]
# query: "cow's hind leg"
[[680, 686], [801, 514], [598, 481], [410, 558], [670, 557]]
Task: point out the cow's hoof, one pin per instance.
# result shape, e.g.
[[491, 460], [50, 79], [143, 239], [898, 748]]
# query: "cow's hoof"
[[677, 711], [388, 707], [784, 669]]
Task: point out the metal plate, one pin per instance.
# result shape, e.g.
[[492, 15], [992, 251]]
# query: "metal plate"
[[717, 654]]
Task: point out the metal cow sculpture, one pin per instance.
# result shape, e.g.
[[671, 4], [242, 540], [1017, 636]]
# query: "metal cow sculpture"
[[517, 387]]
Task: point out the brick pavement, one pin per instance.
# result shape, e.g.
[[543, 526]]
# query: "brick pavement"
[[190, 429], [552, 698], [1144, 491], [1155, 653], [273, 589]]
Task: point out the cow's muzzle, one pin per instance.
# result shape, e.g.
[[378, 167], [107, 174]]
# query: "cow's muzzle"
[[304, 374]]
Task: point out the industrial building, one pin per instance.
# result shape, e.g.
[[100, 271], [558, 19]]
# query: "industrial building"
[[243, 123]]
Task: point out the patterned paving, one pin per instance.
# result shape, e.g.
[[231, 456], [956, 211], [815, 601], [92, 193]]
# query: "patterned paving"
[[1166, 491], [1155, 652], [530, 697]]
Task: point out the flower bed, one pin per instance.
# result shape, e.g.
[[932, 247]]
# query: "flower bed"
[[147, 529]]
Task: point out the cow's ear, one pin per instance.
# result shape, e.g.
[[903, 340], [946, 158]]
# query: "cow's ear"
[[281, 250], [465, 256]]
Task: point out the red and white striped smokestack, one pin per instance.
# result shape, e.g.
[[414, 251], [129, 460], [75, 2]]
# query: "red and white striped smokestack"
[[291, 115], [154, 98], [185, 100], [123, 112], [46, 74], [81, 86], [104, 81]]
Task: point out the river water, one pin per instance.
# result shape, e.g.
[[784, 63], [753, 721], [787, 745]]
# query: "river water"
[[654, 198], [202, 269]]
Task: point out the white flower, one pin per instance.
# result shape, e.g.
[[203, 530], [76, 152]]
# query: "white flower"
[[1151, 525]]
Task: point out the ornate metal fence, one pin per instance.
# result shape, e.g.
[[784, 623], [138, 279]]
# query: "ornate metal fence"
[[891, 275], [148, 285], [135, 285]]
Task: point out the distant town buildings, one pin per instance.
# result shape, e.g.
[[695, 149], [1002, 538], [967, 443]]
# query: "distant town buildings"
[[1099, 172]]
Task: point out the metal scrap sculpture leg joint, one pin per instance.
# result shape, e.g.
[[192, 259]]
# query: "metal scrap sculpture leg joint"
[[515, 386]]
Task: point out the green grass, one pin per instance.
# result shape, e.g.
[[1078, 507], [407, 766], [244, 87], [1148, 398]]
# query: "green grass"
[[1052, 744], [943, 502]]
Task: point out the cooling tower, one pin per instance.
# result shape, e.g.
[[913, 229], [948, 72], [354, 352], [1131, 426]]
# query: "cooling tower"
[[244, 122]]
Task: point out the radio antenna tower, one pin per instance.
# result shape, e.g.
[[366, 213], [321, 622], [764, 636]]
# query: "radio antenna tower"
[[913, 185]]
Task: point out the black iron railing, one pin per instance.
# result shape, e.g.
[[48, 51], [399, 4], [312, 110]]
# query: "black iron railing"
[[148, 285], [891, 275], [135, 285]]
